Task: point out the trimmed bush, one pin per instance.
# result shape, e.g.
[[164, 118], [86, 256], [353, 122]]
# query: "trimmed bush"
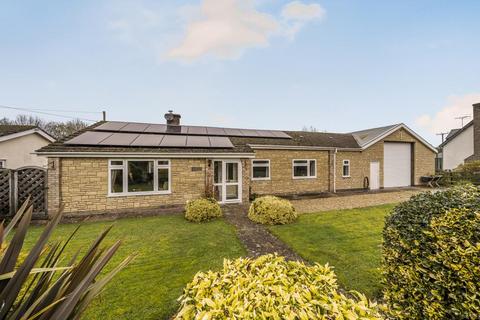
[[272, 210], [431, 256], [202, 209], [271, 288]]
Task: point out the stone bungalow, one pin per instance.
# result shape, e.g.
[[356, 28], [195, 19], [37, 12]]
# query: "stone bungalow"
[[121, 167]]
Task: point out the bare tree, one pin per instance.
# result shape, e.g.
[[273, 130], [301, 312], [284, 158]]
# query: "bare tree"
[[310, 129]]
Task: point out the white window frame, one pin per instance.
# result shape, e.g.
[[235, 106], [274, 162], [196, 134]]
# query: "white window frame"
[[124, 167], [346, 162], [3, 164], [261, 165], [309, 174]]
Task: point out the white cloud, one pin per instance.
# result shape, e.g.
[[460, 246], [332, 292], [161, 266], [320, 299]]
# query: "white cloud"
[[444, 120], [296, 10], [226, 28]]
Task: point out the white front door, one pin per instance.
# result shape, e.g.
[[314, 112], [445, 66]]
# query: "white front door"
[[374, 175], [227, 181]]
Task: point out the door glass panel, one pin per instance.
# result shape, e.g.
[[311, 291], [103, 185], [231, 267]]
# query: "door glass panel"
[[217, 193], [232, 192], [232, 172], [217, 171]]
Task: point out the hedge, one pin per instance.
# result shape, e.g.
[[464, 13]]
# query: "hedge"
[[272, 210], [202, 209], [270, 287], [431, 256]]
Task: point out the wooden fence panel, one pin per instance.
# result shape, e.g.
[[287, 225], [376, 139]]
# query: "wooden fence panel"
[[5, 192]]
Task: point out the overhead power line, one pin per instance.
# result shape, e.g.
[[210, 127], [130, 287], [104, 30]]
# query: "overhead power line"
[[49, 112]]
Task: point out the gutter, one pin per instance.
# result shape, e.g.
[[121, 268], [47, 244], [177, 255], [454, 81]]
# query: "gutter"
[[228, 155]]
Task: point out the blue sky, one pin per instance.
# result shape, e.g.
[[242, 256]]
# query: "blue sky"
[[336, 65]]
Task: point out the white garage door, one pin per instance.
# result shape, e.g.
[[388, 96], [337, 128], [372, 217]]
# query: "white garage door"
[[397, 165]]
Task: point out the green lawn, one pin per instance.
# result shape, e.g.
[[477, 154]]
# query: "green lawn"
[[170, 251], [349, 240]]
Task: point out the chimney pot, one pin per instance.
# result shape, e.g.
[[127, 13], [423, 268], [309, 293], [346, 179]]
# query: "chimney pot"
[[173, 119]]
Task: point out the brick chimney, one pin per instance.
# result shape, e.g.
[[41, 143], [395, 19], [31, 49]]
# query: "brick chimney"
[[476, 131], [173, 119]]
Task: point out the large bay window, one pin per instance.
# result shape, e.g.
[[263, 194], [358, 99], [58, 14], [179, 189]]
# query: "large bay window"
[[138, 177], [304, 169], [260, 169]]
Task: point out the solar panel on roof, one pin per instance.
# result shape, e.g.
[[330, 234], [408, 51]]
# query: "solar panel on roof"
[[215, 131], [89, 138], [197, 130], [147, 140], [156, 128], [119, 139], [111, 126], [173, 141], [220, 142], [135, 127], [250, 133], [198, 141], [188, 130]]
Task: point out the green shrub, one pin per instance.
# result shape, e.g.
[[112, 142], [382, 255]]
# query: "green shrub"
[[202, 209], [431, 256], [272, 210], [271, 288]]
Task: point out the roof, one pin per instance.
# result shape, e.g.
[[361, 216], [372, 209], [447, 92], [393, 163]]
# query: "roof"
[[8, 132], [455, 133], [6, 129], [123, 138]]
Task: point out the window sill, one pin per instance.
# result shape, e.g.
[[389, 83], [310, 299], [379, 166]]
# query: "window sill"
[[260, 179], [346, 177], [133, 194], [301, 178]]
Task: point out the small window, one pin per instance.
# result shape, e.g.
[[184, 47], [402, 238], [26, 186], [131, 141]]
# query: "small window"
[[346, 168], [3, 164], [260, 169], [304, 168]]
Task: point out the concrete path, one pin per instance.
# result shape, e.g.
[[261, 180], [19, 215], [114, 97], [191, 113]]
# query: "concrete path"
[[255, 237]]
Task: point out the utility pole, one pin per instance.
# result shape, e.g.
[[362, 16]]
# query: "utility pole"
[[104, 113], [443, 134], [462, 118]]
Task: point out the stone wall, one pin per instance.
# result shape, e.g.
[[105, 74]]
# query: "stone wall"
[[281, 174], [83, 187]]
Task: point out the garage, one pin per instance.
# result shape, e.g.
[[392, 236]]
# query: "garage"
[[397, 164]]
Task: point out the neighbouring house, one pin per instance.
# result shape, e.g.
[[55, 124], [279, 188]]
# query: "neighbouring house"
[[123, 167], [18, 144], [462, 144]]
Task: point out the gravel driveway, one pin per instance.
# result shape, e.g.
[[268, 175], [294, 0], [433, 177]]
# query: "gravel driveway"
[[360, 200]]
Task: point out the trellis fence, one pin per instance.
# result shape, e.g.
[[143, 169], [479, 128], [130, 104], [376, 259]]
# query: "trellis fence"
[[17, 185]]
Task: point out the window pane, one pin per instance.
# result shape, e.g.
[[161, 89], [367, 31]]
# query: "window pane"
[[217, 171], [116, 163], [163, 162], [300, 161], [260, 162], [116, 181], [232, 172], [260, 172], [312, 168], [346, 171], [300, 171], [232, 192], [140, 176], [163, 179]]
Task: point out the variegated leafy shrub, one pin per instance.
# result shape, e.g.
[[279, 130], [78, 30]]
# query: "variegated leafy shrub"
[[272, 210], [269, 287], [202, 209], [431, 256]]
